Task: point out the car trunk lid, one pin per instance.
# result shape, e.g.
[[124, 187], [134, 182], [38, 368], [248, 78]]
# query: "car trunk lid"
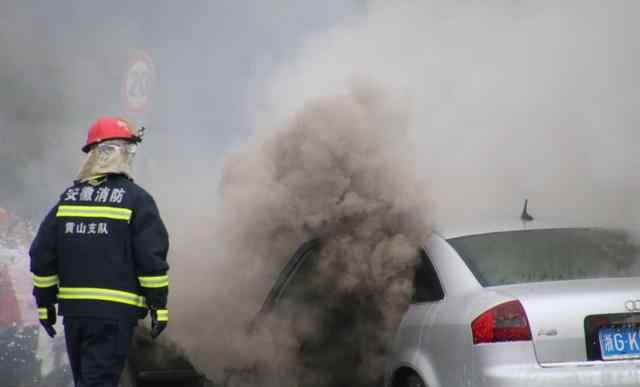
[[558, 313]]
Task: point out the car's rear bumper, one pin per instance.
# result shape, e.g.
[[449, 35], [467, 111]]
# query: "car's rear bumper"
[[515, 365]]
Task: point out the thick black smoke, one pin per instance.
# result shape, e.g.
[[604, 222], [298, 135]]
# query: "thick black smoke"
[[342, 171]]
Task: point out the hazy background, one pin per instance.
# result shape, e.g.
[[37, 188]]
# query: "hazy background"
[[507, 98], [64, 64], [490, 103]]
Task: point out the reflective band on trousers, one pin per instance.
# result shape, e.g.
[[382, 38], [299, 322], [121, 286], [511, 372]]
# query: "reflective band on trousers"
[[102, 295], [163, 314], [94, 212], [154, 282], [42, 313], [45, 282]]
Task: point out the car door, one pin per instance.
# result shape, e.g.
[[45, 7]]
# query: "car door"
[[299, 267], [282, 318], [325, 323]]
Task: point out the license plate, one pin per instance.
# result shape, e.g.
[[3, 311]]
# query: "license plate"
[[620, 342]]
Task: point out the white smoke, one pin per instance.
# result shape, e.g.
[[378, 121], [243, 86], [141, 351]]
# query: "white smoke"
[[509, 100]]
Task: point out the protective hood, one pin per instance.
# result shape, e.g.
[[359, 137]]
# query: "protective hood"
[[113, 156]]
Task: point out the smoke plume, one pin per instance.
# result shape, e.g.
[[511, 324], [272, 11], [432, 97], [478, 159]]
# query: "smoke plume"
[[492, 104], [342, 171]]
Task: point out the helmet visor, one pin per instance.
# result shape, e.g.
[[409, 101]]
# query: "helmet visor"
[[124, 147]]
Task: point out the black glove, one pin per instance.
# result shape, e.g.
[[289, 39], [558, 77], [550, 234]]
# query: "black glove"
[[159, 320], [48, 319]]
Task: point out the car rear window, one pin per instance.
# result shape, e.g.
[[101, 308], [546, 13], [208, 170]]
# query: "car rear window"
[[548, 255]]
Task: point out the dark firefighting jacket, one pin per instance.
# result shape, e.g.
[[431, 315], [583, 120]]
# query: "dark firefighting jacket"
[[102, 252]]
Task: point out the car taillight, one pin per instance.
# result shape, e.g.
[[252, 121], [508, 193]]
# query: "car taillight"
[[504, 322]]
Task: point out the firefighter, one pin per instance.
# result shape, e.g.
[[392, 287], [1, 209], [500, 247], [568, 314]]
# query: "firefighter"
[[100, 255]]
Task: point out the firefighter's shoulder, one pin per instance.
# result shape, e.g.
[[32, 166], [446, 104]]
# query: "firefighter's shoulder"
[[140, 194], [137, 196]]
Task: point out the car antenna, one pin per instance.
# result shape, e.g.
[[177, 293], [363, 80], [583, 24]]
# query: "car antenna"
[[525, 216]]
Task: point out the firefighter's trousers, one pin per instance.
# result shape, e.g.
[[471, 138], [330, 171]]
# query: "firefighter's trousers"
[[97, 349]]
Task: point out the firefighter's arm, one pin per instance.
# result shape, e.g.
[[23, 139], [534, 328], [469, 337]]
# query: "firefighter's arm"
[[44, 263], [150, 247]]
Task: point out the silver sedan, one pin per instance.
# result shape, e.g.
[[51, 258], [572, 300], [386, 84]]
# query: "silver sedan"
[[522, 307]]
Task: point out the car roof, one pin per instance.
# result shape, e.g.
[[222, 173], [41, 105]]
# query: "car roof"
[[455, 231]]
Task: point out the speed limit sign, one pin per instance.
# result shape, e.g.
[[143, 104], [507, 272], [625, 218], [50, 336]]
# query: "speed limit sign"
[[138, 83]]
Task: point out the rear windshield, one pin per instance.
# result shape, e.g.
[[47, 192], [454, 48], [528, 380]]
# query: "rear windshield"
[[548, 255]]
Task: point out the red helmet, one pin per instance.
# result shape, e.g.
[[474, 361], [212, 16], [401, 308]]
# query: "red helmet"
[[109, 128]]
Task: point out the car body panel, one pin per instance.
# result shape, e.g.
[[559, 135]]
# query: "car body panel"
[[408, 337], [445, 332], [424, 365], [514, 364], [410, 331], [455, 276]]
